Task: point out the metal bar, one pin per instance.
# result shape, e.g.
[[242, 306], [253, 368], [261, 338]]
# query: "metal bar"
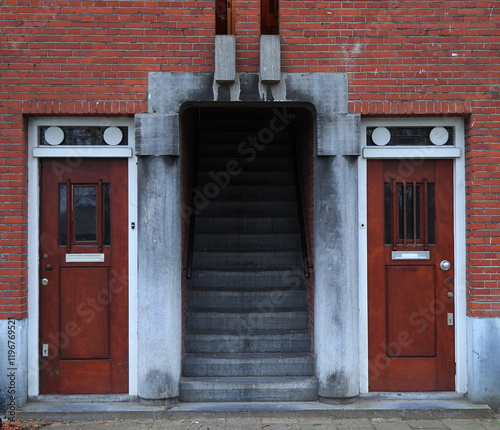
[[69, 215], [425, 220], [394, 213], [100, 215], [405, 223], [300, 207], [192, 217], [414, 213]]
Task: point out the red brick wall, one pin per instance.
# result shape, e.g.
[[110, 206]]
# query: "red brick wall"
[[402, 58]]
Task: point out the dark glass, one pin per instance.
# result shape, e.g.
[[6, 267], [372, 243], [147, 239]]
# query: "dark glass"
[[84, 136], [409, 215], [63, 216], [387, 214], [106, 188], [431, 213], [410, 136], [85, 209]]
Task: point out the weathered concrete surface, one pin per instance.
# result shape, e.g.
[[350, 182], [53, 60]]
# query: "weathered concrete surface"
[[225, 58], [157, 134], [159, 278], [336, 325], [483, 337], [207, 415], [339, 134], [13, 364], [270, 58]]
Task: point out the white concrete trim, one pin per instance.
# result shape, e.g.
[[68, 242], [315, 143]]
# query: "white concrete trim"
[[411, 152], [83, 151], [459, 237], [33, 228]]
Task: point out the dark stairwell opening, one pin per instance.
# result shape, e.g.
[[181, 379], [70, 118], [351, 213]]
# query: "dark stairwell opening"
[[248, 251]]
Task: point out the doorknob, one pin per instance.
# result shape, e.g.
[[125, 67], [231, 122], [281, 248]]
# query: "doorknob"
[[445, 265], [45, 281]]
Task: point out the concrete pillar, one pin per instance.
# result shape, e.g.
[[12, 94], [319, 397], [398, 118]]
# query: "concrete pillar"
[[336, 278], [159, 259]]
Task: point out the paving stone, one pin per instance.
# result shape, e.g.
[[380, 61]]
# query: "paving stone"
[[354, 424], [426, 424], [381, 424], [491, 424], [464, 424]]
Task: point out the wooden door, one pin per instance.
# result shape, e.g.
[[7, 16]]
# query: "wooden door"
[[410, 275], [84, 276]]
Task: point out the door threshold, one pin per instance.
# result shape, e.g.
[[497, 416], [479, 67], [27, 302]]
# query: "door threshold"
[[82, 398], [413, 395]]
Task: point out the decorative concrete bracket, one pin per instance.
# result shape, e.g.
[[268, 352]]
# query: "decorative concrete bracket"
[[339, 134], [225, 59], [270, 59], [157, 134]]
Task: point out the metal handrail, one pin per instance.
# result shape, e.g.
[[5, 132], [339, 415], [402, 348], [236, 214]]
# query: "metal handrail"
[[302, 228], [192, 217]]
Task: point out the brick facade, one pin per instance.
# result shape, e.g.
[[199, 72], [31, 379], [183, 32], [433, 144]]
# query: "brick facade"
[[402, 58]]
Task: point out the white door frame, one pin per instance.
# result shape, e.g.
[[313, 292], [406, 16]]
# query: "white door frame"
[[457, 153], [36, 151]]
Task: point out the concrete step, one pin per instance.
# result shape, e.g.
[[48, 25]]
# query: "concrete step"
[[246, 225], [245, 209], [242, 319], [206, 260], [235, 164], [248, 341], [212, 147], [249, 242], [258, 193], [248, 364], [249, 389], [223, 179], [271, 299], [248, 279]]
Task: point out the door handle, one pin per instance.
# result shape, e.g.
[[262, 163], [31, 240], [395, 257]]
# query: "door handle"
[[445, 265], [45, 281]]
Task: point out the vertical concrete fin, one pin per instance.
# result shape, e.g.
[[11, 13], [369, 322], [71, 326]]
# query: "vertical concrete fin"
[[225, 59], [270, 58]]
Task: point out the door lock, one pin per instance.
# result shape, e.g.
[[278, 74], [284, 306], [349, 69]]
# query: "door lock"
[[45, 281], [450, 294], [445, 265]]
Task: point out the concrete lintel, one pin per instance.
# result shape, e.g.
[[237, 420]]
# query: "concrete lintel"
[[157, 134], [328, 92], [270, 58], [339, 134], [225, 59]]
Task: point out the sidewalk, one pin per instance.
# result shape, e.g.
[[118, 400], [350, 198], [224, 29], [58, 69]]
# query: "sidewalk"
[[308, 423]]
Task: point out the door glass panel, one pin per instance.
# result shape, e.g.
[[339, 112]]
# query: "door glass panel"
[[413, 224], [107, 213], [63, 223], [85, 208]]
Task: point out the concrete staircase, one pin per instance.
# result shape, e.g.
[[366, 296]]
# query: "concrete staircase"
[[247, 325]]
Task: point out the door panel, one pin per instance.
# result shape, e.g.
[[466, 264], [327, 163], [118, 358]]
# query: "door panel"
[[410, 231], [84, 265]]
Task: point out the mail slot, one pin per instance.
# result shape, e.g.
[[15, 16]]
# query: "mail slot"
[[410, 255], [84, 258]]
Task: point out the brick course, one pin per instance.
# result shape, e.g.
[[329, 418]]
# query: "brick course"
[[402, 58]]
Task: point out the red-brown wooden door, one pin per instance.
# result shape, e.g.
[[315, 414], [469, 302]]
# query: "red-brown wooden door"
[[410, 292], [84, 276]]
